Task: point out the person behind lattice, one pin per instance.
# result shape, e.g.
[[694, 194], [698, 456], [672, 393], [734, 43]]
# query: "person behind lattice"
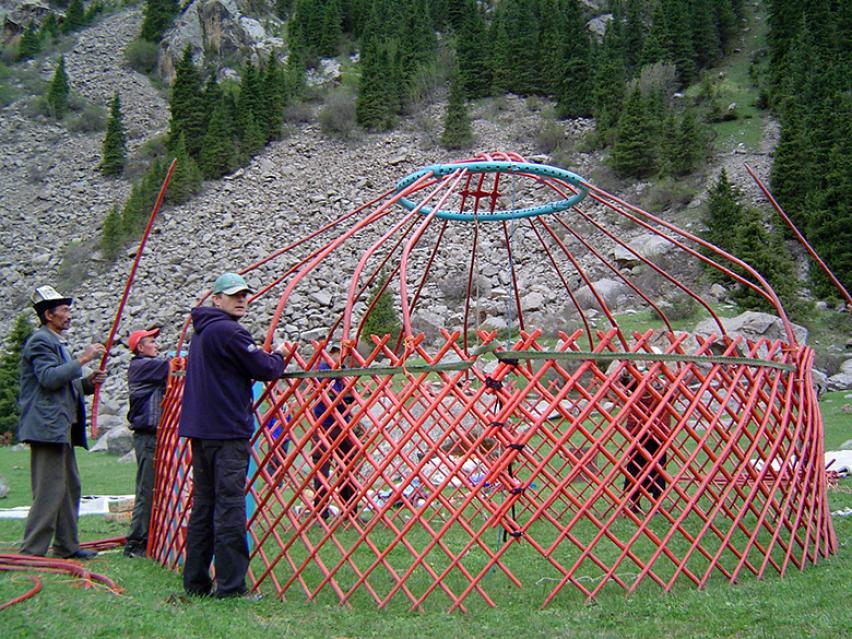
[[647, 429], [334, 439]]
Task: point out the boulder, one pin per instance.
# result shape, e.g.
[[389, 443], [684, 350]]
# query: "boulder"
[[609, 290], [752, 325], [839, 382], [119, 441], [4, 487]]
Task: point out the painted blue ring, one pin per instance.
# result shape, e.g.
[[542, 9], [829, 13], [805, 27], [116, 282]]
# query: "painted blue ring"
[[541, 170]]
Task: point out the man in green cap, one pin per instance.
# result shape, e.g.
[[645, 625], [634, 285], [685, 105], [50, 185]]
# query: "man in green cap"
[[217, 416], [53, 421]]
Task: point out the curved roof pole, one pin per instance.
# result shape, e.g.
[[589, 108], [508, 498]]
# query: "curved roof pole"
[[455, 178]]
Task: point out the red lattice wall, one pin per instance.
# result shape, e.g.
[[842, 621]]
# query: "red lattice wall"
[[458, 474]]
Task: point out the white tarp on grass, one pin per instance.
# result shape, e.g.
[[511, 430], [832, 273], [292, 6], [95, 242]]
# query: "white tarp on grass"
[[89, 505]]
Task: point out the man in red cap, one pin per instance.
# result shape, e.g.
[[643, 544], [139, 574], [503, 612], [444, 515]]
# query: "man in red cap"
[[146, 381]]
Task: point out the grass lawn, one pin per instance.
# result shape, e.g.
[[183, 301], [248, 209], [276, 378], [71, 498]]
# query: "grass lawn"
[[802, 604]]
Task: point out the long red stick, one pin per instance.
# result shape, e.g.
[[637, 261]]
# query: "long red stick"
[[816, 258], [115, 322]]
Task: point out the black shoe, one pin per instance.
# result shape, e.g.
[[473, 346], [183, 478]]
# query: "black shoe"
[[82, 555], [135, 553]]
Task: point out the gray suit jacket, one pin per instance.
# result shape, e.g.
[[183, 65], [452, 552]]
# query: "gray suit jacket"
[[50, 399]]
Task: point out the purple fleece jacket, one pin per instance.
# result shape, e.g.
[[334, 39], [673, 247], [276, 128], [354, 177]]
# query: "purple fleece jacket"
[[222, 364]]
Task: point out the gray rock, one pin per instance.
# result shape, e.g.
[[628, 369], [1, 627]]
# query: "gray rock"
[[129, 458], [532, 301], [607, 289], [718, 292], [752, 325], [4, 487], [846, 366], [820, 381], [119, 441], [839, 382]]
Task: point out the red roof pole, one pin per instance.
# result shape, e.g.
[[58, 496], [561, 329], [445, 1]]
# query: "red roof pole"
[[802, 239], [154, 211]]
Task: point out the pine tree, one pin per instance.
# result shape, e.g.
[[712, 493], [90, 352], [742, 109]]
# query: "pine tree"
[[143, 195], [50, 27], [187, 105], [294, 74], [552, 47], [218, 155], [654, 48], [93, 11], [501, 55], [634, 36], [59, 90], [114, 149], [689, 147], [724, 215], [726, 24], [765, 253], [30, 43], [272, 98], [211, 95], [372, 107], [634, 151], [522, 22], [159, 15], [112, 233], [331, 30], [383, 318], [472, 52], [186, 178], [133, 212], [251, 134], [679, 40], [457, 133], [608, 87], [10, 379], [830, 209], [74, 17], [704, 33], [790, 171]]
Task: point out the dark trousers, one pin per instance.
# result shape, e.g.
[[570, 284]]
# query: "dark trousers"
[[217, 521], [344, 448], [56, 500], [145, 446], [654, 482]]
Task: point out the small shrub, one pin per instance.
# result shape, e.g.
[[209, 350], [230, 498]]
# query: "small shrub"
[[549, 136], [9, 379], [424, 88], [141, 56], [7, 95], [660, 77], [91, 118], [682, 307], [138, 163], [337, 117], [298, 112], [668, 193], [76, 263]]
